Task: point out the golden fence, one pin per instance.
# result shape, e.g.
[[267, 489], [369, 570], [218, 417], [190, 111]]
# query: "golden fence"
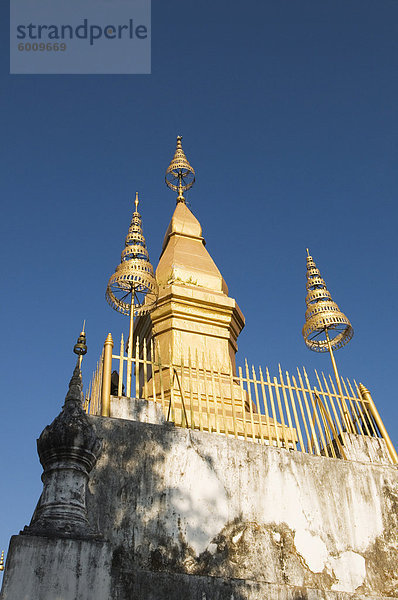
[[283, 411]]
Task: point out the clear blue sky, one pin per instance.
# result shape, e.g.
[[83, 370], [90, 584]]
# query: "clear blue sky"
[[289, 115]]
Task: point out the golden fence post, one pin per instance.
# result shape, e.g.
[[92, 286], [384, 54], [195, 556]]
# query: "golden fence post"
[[260, 421], [276, 427], [106, 377], [250, 400], [262, 383], [366, 411], [375, 414], [121, 364]]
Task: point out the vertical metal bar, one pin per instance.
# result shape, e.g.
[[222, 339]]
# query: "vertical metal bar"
[[346, 416], [161, 381], [289, 418], [130, 347], [242, 402], [297, 421], [250, 400], [191, 406], [171, 412], [231, 385], [336, 415], [209, 423], [106, 377], [224, 416], [329, 449], [262, 383], [260, 421], [323, 440], [199, 391], [362, 424], [369, 419], [304, 418], [325, 397], [184, 417], [213, 388], [121, 365], [145, 365], [276, 425], [324, 405], [137, 368], [375, 413], [153, 364], [309, 414], [354, 412], [280, 408], [333, 430]]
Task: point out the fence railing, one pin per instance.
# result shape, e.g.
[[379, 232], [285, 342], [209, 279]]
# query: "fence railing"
[[284, 410]]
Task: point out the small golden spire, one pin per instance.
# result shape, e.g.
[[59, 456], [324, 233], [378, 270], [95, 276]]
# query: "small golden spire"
[[326, 328], [180, 176], [132, 289], [323, 318], [2, 561]]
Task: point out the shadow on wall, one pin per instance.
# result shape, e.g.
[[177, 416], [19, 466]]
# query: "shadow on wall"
[[157, 495], [163, 526]]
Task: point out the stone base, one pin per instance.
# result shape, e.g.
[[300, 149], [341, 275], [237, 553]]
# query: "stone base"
[[150, 585], [40, 568]]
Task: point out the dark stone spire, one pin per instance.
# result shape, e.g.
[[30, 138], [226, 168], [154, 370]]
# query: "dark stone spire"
[[68, 450]]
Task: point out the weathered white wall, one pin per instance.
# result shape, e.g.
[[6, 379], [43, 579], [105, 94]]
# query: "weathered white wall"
[[57, 569], [199, 516], [200, 503]]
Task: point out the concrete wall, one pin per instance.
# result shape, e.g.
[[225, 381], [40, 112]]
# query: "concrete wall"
[[200, 504], [197, 516], [41, 568]]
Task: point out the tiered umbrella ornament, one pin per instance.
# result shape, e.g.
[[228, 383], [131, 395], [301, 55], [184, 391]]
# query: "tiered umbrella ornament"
[[326, 328], [132, 290], [180, 176]]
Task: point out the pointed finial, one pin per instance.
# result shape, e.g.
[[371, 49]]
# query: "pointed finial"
[[308, 252], [324, 321], [180, 176], [80, 348], [2, 561], [75, 393], [133, 283]]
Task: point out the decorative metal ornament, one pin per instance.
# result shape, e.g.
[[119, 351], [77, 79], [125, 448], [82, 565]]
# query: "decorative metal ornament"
[[180, 176], [326, 327], [80, 348], [132, 289]]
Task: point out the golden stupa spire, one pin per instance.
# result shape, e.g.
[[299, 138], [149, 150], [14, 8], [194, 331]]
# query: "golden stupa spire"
[[324, 321], [180, 176], [133, 288], [326, 328]]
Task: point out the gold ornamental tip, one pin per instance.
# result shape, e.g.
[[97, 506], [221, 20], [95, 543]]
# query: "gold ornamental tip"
[[80, 348], [133, 284], [324, 321], [2, 561], [180, 176]]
